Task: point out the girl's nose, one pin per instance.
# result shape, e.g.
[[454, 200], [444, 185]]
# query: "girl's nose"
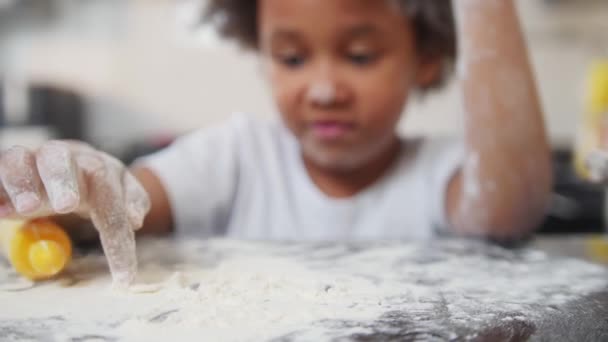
[[325, 88]]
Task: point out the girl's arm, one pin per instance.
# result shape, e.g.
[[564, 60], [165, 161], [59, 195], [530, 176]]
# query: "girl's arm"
[[505, 182], [159, 219]]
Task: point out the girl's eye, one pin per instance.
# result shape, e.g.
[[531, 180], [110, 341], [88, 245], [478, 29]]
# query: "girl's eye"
[[293, 61], [361, 58]]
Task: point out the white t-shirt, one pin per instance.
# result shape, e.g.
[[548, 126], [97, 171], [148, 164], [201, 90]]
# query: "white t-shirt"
[[246, 179]]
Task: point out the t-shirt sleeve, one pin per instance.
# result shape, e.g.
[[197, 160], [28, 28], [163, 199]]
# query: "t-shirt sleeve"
[[200, 174], [445, 159]]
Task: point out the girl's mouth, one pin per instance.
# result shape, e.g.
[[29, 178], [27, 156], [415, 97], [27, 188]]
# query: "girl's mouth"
[[331, 129]]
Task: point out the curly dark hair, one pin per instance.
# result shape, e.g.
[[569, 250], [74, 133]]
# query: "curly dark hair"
[[433, 22]]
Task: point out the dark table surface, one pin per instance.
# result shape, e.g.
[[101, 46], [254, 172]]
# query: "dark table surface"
[[453, 290]]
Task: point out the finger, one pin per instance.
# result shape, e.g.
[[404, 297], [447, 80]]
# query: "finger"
[[137, 200], [58, 174], [6, 207], [21, 181], [109, 216]]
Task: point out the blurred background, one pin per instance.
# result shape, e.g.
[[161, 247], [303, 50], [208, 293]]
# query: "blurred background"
[[129, 75]]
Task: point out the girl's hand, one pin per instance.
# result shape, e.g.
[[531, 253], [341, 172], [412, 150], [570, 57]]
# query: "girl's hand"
[[67, 177]]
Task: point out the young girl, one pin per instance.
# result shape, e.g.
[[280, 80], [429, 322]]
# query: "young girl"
[[334, 167]]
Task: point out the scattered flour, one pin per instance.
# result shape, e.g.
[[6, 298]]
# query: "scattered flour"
[[234, 291]]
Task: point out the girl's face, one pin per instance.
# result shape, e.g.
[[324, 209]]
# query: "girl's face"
[[341, 72]]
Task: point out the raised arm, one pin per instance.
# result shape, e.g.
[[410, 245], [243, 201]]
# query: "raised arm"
[[504, 185]]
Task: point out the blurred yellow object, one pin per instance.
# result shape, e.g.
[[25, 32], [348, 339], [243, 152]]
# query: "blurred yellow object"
[[597, 249], [593, 134], [598, 89], [37, 249]]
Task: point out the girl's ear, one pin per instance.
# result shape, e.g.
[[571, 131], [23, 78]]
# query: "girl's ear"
[[429, 72]]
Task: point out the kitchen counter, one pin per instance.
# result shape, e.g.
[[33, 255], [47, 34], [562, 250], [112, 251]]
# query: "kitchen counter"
[[446, 290]]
